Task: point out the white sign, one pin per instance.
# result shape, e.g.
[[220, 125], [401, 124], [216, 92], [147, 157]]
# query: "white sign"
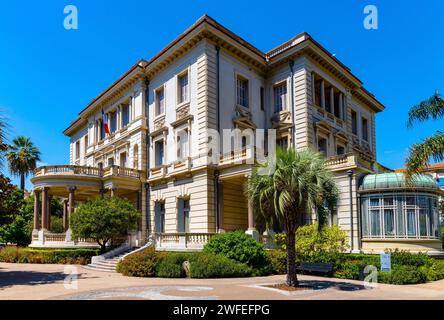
[[386, 262]]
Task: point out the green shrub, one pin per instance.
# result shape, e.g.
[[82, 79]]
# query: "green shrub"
[[277, 261], [47, 256], [171, 265], [310, 240], [240, 247], [205, 266], [435, 270], [349, 270], [140, 264], [406, 258], [403, 275]]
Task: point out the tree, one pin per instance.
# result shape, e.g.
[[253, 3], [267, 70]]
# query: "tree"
[[22, 157], [299, 184], [104, 219], [3, 145], [431, 147]]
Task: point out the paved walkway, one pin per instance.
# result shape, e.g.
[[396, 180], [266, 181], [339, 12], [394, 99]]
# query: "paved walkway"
[[33, 281]]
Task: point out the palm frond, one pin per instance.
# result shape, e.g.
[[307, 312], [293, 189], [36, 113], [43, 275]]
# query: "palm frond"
[[432, 108], [421, 153]]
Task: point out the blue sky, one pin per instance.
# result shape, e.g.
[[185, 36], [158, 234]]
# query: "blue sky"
[[48, 74]]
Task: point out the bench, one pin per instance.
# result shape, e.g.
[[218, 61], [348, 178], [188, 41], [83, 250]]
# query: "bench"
[[322, 268]]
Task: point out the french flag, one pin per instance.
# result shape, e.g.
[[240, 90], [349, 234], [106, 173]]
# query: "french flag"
[[105, 122]]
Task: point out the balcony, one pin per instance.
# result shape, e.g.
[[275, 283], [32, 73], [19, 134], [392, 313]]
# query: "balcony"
[[68, 170], [159, 172], [241, 156], [348, 161]]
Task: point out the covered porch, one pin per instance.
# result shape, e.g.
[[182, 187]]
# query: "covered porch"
[[75, 185], [232, 212]]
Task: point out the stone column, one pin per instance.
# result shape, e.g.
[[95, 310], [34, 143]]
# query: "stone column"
[[36, 210], [71, 199], [65, 215], [44, 208], [221, 208], [251, 225], [113, 192], [48, 227]]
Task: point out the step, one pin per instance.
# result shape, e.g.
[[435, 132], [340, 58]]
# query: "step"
[[98, 269]]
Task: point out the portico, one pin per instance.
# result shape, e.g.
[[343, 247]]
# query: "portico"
[[76, 185]]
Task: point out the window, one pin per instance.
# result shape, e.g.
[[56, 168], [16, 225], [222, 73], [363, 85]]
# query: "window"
[[317, 91], [86, 144], [110, 162], [282, 143], [354, 119], [401, 215], [159, 153], [123, 159], [78, 150], [322, 146], [160, 216], [183, 216], [340, 150], [280, 97], [337, 103], [262, 97], [183, 87], [113, 122], [160, 101], [125, 115], [100, 165], [327, 98], [182, 144], [102, 130], [365, 129], [242, 92]]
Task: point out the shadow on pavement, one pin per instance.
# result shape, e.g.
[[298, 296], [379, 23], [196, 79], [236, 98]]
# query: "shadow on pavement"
[[325, 284], [14, 278]]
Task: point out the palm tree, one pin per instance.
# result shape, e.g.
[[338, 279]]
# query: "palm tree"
[[431, 147], [299, 184], [3, 145], [22, 157]]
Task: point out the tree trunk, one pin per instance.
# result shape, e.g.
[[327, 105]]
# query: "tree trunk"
[[292, 278], [22, 182]]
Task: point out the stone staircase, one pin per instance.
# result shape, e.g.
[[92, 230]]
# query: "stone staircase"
[[108, 264]]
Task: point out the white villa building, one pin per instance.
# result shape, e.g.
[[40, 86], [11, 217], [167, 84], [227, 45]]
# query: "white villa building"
[[160, 113]]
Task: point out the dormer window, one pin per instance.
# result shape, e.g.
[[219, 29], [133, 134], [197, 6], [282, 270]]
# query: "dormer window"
[[242, 92]]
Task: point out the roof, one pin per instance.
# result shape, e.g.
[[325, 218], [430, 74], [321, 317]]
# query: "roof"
[[265, 58], [432, 167], [391, 181]]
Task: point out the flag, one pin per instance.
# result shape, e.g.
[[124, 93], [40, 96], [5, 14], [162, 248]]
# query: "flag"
[[105, 122]]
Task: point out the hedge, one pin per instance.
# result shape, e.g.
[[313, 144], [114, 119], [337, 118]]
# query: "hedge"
[[47, 256]]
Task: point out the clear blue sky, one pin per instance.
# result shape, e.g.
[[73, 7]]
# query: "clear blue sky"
[[49, 74]]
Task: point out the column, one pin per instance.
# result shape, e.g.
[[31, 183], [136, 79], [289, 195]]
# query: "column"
[[71, 199], [36, 209], [65, 215], [44, 208], [221, 208], [48, 227], [113, 192], [251, 223]]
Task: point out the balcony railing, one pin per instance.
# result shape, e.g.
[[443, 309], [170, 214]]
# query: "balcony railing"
[[347, 161], [87, 171], [181, 241]]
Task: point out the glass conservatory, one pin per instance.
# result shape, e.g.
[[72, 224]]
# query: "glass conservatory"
[[393, 211]]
